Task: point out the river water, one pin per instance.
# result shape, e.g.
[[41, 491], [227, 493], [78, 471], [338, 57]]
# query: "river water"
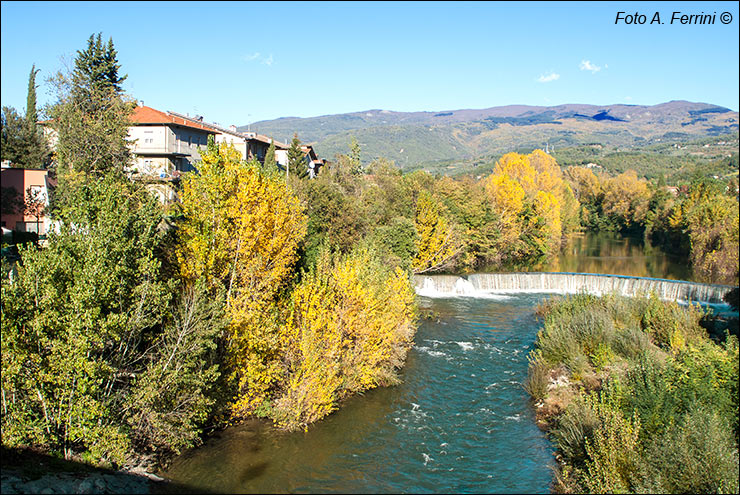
[[460, 422], [610, 253]]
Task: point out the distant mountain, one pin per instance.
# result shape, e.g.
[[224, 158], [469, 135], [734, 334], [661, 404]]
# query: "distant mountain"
[[415, 138]]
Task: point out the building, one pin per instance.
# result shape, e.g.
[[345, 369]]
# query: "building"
[[164, 145], [31, 190], [249, 144]]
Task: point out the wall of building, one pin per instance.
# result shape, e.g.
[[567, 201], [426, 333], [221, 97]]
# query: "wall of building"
[[21, 180]]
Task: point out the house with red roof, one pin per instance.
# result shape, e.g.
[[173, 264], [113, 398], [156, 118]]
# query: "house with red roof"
[[164, 144]]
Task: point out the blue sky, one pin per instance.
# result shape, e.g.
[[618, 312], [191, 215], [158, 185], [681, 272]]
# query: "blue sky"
[[241, 62]]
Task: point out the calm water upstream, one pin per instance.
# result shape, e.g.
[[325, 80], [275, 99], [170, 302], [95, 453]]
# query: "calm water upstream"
[[459, 423]]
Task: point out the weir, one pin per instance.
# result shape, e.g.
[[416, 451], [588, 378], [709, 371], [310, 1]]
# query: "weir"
[[486, 284]]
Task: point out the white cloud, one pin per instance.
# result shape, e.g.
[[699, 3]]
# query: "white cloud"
[[258, 57], [547, 78], [587, 65], [628, 98]]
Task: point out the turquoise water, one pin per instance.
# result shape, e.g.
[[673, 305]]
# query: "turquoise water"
[[459, 423]]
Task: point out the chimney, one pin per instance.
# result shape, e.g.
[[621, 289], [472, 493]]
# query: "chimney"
[[232, 128], [141, 103]]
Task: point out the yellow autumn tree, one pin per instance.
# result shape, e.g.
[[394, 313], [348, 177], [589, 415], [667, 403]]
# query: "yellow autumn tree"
[[241, 231], [586, 186], [626, 198], [547, 209], [517, 167], [533, 204], [437, 241], [548, 176], [351, 323]]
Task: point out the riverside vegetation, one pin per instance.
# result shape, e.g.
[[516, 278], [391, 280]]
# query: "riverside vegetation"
[[636, 397], [139, 327]]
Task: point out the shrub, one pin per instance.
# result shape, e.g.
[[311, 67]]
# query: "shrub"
[[696, 455], [537, 377], [574, 427]]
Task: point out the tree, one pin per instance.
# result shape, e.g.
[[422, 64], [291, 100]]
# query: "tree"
[[354, 157], [96, 69], [270, 162], [31, 116], [626, 198], [74, 319], [241, 234], [22, 143], [350, 324], [91, 117], [97, 359], [34, 204], [296, 159], [437, 241]]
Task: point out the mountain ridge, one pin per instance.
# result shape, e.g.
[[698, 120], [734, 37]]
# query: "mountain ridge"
[[414, 138]]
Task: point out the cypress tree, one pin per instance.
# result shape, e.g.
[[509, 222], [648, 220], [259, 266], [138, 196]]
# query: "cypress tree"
[[354, 157], [270, 162], [296, 158], [31, 115], [22, 142]]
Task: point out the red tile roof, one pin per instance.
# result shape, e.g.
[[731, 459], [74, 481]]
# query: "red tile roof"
[[148, 115]]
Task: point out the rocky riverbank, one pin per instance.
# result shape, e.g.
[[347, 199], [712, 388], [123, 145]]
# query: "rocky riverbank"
[[27, 471], [14, 481]]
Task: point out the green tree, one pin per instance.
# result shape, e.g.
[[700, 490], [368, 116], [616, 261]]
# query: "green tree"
[[31, 115], [96, 68], [354, 157], [270, 162], [91, 118], [22, 144], [296, 159], [74, 319]]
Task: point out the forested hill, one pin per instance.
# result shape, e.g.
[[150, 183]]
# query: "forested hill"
[[414, 138]]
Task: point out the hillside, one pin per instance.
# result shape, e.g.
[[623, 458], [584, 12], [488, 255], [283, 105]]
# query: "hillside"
[[440, 139]]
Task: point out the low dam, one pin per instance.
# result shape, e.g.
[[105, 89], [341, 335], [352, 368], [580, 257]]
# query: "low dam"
[[488, 284]]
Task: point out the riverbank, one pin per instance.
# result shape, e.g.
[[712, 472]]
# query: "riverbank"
[[629, 388], [29, 471]]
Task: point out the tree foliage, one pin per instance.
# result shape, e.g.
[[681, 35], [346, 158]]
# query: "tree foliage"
[[437, 241], [21, 142], [79, 326], [297, 166], [241, 233], [350, 326]]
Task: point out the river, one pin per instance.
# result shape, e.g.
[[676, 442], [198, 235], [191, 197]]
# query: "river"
[[460, 421]]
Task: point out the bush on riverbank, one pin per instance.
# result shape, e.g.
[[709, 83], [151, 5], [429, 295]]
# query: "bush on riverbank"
[[631, 388], [350, 325]]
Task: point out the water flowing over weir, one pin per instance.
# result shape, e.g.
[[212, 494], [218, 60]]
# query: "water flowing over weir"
[[489, 284]]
